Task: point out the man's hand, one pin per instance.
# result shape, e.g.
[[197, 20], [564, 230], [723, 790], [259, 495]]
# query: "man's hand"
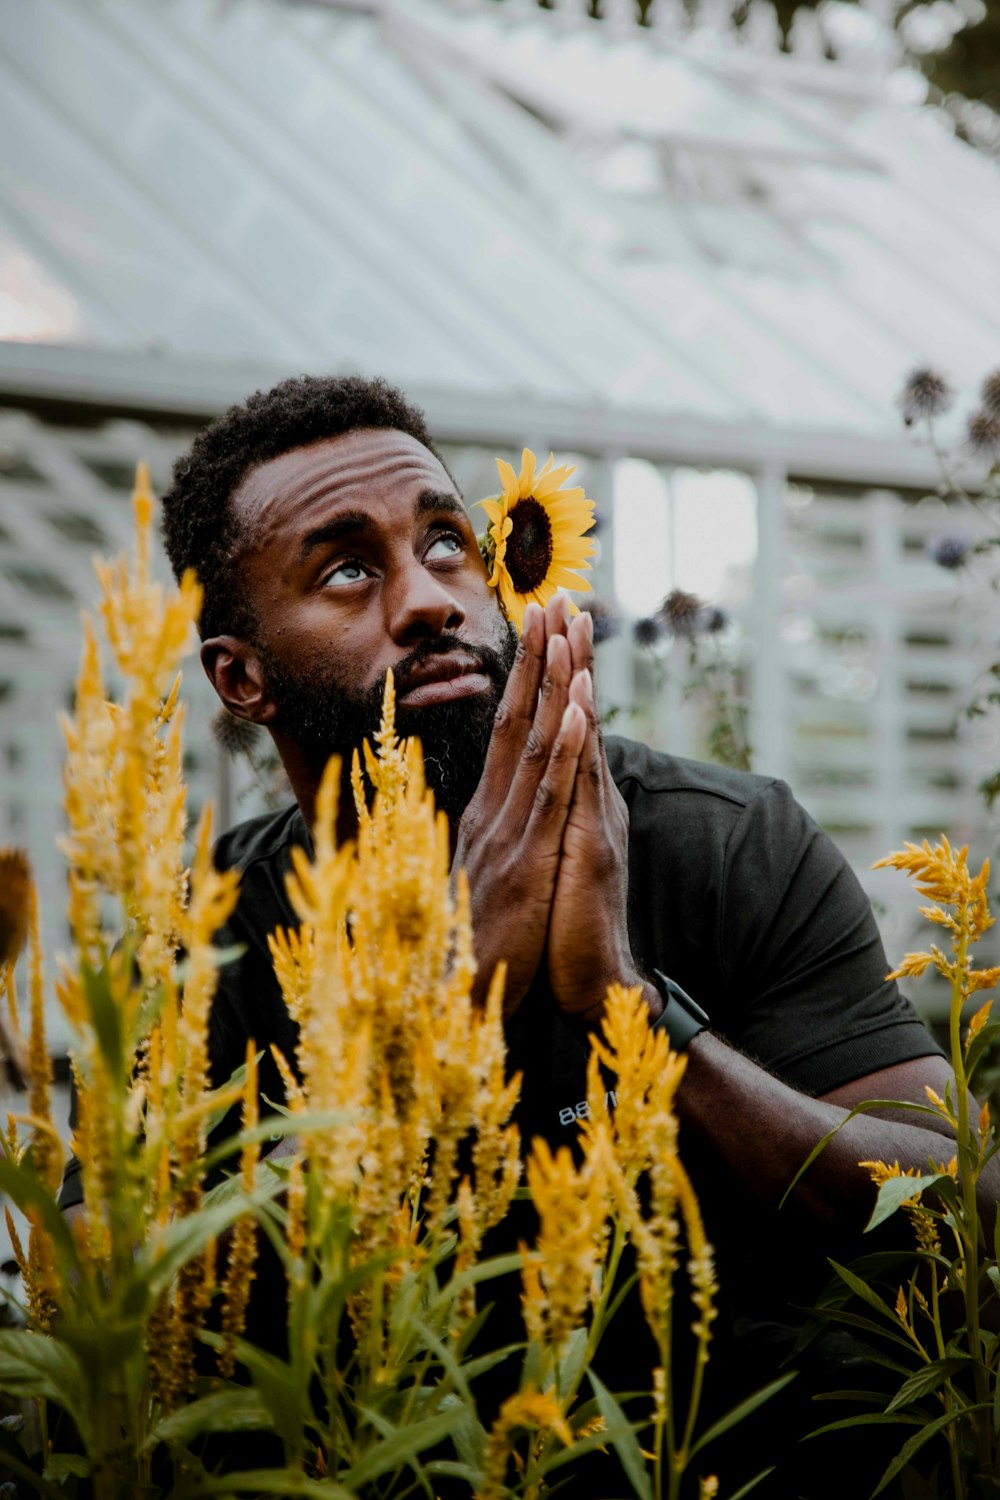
[[588, 945], [510, 837]]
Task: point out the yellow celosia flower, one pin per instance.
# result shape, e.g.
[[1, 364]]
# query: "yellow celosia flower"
[[572, 1205], [243, 1248], [536, 541], [535, 1411], [379, 978], [943, 874]]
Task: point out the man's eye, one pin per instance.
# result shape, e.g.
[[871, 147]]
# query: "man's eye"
[[445, 545], [350, 571]]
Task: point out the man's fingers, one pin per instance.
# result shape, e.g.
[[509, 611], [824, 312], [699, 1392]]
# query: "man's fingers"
[[556, 615], [592, 767], [516, 713], [555, 790], [581, 641], [547, 725]]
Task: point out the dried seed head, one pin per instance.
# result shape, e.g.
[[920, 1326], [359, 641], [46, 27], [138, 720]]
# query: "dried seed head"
[[683, 613], [926, 394], [990, 394], [983, 434], [949, 551], [236, 736], [647, 632], [15, 902]]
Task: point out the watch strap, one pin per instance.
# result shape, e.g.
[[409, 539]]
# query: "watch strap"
[[681, 1018]]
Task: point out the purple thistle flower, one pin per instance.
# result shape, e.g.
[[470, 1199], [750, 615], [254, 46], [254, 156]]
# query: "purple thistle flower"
[[647, 632], [925, 394], [983, 434], [949, 551]]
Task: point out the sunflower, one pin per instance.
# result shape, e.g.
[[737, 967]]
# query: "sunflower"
[[535, 542]]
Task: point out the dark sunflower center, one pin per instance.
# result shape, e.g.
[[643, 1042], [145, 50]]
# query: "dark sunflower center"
[[529, 546]]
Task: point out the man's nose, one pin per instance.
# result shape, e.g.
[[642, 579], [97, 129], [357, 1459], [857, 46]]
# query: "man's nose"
[[422, 606]]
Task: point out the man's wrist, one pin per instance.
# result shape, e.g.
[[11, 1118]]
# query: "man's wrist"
[[680, 1017]]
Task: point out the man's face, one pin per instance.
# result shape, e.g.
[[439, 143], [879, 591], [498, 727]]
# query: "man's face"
[[364, 558]]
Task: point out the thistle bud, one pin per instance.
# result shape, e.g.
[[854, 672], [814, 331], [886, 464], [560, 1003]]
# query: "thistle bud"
[[983, 434], [926, 394]]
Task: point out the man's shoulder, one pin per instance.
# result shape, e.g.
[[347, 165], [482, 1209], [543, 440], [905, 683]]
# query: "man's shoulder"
[[264, 839], [635, 765]]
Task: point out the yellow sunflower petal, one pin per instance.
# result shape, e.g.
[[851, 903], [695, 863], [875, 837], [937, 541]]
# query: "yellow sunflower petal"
[[493, 509], [526, 479], [509, 480], [568, 580], [547, 484]]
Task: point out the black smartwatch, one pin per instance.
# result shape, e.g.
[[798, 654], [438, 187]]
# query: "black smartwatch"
[[680, 1018]]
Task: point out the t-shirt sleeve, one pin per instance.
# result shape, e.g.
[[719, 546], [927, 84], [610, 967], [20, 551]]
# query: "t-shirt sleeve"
[[802, 957]]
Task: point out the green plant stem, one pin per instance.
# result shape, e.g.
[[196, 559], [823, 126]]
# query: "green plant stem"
[[567, 1397], [948, 1394], [968, 1175]]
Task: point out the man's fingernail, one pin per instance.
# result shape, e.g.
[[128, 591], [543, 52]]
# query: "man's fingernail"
[[550, 650]]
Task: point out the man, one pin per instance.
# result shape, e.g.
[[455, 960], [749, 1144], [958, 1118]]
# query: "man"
[[333, 544]]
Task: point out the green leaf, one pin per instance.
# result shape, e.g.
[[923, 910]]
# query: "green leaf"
[[741, 1411], [106, 1019], [853, 1320], [222, 1411], [926, 1380], [34, 1364], [870, 1419], [980, 1044], [571, 1360], [277, 1387], [859, 1109], [751, 1484], [895, 1191], [283, 1482], [402, 1448], [622, 1435], [160, 1259], [61, 1465], [916, 1442], [26, 1190], [867, 1294]]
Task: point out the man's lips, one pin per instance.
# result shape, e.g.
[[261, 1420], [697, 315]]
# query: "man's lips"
[[443, 678]]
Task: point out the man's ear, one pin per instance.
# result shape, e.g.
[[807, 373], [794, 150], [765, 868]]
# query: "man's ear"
[[235, 671]]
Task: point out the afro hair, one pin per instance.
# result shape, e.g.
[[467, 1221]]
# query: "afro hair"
[[199, 528]]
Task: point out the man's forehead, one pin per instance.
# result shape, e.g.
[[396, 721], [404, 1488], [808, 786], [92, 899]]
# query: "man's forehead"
[[368, 465]]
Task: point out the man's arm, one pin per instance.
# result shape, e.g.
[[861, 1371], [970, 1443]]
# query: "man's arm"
[[764, 1130]]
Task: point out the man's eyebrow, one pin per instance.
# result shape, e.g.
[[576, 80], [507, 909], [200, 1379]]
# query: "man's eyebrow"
[[348, 523], [354, 523], [441, 500]]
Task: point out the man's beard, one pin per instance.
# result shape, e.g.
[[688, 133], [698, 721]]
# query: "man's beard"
[[329, 717]]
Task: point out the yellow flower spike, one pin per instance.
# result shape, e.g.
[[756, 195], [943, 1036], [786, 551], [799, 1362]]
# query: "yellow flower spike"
[[46, 1147], [536, 540], [530, 1410], [243, 1248]]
